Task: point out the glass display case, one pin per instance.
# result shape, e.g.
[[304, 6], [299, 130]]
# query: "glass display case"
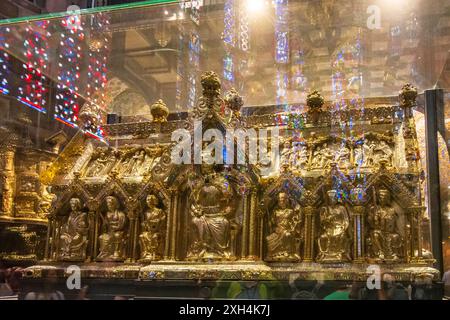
[[292, 144]]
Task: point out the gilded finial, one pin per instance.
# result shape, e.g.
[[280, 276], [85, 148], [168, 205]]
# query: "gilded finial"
[[233, 100], [89, 115], [159, 111], [408, 95], [210, 84], [314, 101]]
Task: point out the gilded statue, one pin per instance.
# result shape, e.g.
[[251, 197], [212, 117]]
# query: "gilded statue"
[[334, 240], [113, 239], [385, 238], [151, 237], [210, 210], [74, 233], [282, 242]]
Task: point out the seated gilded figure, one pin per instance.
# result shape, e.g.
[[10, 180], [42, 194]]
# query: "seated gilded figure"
[[152, 235], [74, 233], [385, 239], [210, 211], [282, 242], [334, 240], [113, 239]]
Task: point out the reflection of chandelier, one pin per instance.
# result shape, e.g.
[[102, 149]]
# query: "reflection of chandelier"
[[162, 36]]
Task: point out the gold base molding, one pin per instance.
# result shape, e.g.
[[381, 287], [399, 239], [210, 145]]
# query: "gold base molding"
[[236, 271]]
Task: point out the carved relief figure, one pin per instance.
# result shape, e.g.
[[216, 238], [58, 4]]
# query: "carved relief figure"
[[282, 244], [286, 154], [359, 156], [333, 240], [128, 164], [151, 238], [383, 152], [139, 167], [317, 158], [343, 157], [210, 211], [100, 166], [300, 157], [73, 239], [322, 157], [113, 240], [385, 238], [368, 152]]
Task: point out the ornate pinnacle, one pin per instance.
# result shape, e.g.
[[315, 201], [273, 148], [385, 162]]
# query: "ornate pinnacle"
[[159, 111], [89, 115], [408, 95], [211, 84], [314, 101]]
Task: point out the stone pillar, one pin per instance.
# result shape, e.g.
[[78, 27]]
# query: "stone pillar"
[[309, 235]]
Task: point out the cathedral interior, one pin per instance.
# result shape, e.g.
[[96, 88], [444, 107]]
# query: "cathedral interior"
[[336, 118]]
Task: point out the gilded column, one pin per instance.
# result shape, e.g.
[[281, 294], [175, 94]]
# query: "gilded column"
[[50, 228], [245, 229], [415, 239], [309, 234], [8, 180], [168, 227], [132, 216], [54, 243], [94, 230], [92, 234], [134, 255], [359, 255], [358, 200], [174, 226], [253, 228], [407, 97]]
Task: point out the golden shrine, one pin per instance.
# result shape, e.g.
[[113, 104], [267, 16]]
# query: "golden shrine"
[[332, 203]]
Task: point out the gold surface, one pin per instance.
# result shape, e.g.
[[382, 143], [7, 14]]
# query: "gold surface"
[[337, 200]]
